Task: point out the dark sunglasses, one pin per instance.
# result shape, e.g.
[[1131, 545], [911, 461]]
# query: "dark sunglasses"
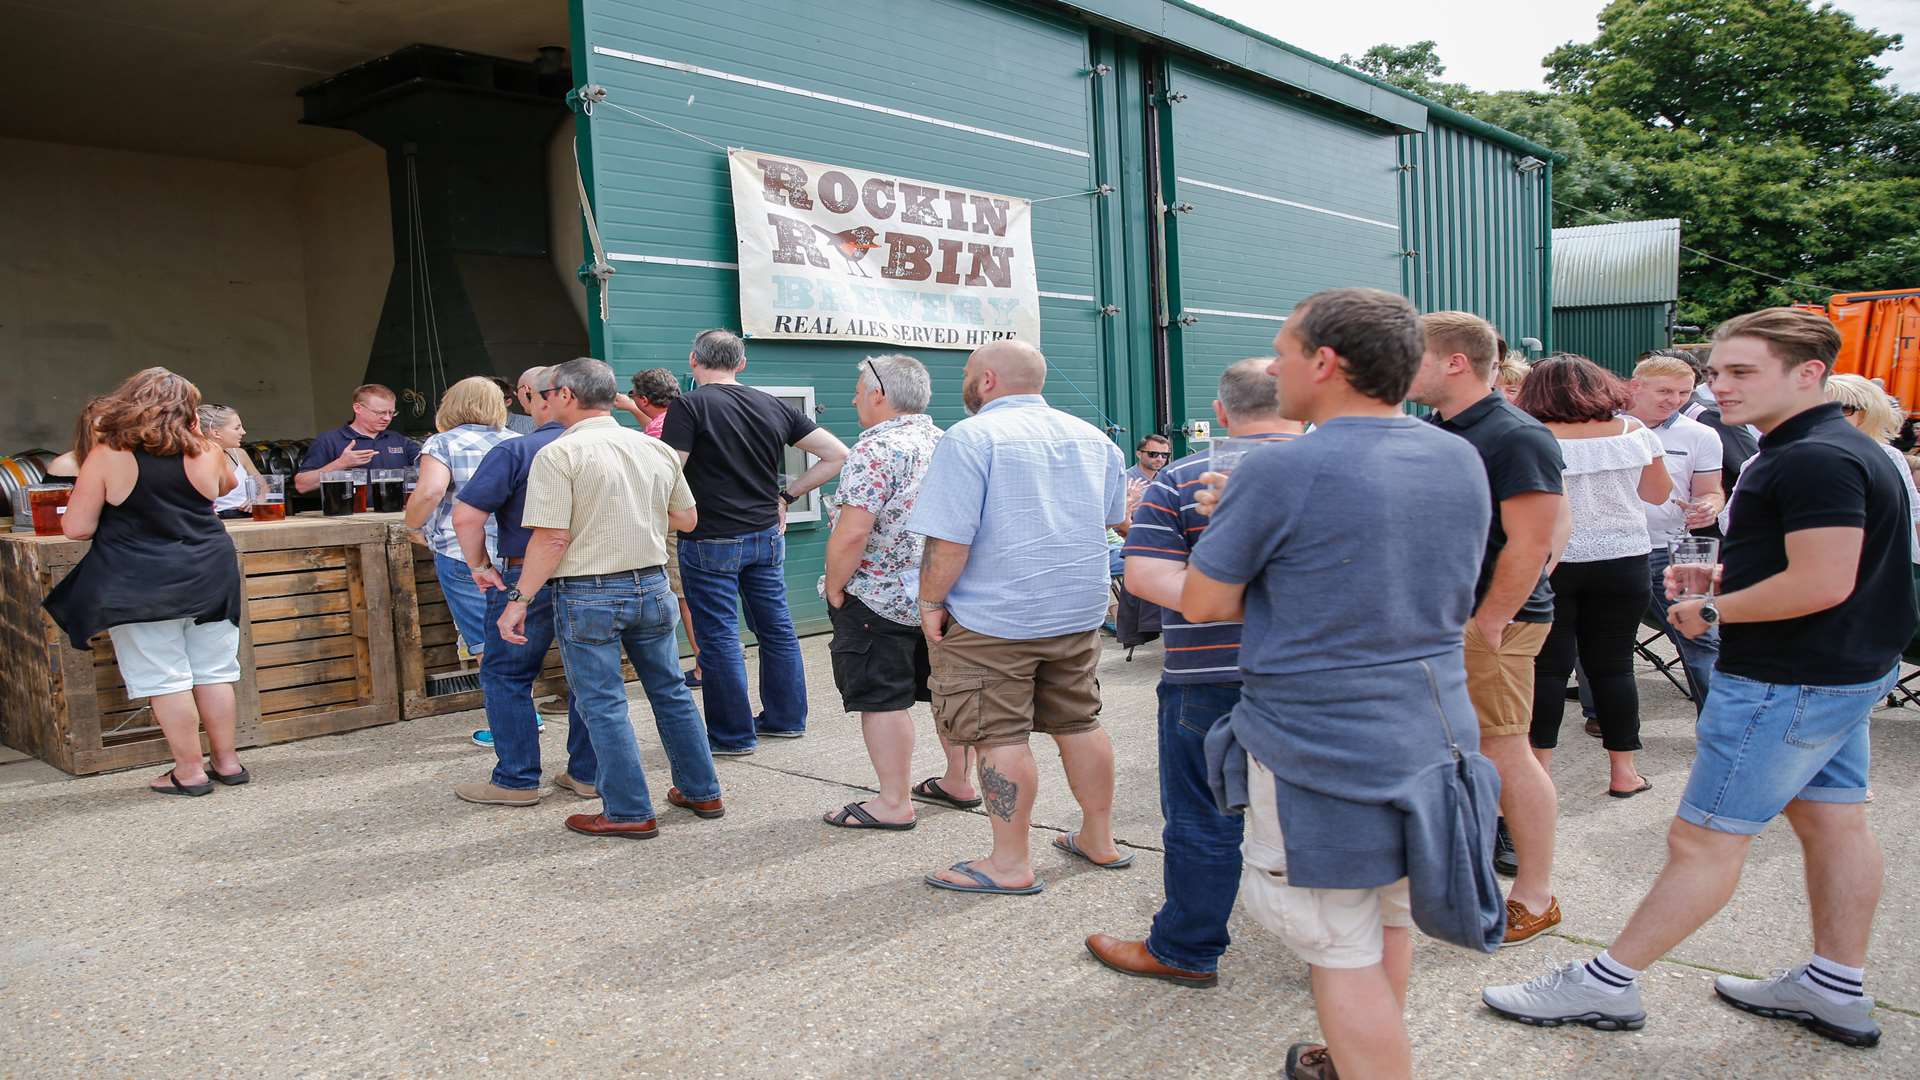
[[549, 390], [1157, 453]]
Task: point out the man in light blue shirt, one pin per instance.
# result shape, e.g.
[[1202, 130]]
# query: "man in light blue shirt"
[[1013, 589]]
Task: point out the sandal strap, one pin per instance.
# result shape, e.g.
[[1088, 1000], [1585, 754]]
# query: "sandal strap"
[[858, 813], [978, 877]]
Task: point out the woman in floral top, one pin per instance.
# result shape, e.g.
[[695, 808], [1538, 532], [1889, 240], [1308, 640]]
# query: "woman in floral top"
[[872, 586]]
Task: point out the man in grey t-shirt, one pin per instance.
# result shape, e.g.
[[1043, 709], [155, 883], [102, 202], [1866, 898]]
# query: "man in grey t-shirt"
[[1354, 704]]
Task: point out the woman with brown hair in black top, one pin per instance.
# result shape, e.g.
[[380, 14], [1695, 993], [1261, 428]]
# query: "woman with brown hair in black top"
[[161, 576]]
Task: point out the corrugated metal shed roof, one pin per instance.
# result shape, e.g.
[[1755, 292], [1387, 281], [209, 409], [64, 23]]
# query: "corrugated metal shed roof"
[[1631, 262]]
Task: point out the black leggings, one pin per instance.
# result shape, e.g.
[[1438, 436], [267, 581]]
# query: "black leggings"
[[1596, 605]]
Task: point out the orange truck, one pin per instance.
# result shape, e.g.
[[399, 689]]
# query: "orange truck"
[[1880, 338]]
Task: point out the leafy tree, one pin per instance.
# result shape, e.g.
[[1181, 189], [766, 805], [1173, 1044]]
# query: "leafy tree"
[[1761, 124]]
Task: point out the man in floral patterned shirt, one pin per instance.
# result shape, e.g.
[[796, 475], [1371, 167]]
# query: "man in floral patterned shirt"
[[873, 565]]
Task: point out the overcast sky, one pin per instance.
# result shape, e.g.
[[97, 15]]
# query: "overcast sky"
[[1498, 44]]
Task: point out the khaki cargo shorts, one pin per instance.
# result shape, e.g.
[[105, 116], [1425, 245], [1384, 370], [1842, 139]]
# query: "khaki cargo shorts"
[[1500, 681], [1329, 928], [990, 691]]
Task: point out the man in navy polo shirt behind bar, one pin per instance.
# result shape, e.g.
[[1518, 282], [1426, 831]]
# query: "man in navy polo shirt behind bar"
[[362, 443], [499, 487]]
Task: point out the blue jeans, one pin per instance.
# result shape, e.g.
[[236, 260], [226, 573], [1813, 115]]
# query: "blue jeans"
[[1763, 745], [506, 681], [1698, 654], [1202, 865], [718, 575], [465, 602], [597, 618]]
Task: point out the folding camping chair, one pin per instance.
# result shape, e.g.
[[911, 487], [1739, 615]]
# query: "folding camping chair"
[[1683, 680]]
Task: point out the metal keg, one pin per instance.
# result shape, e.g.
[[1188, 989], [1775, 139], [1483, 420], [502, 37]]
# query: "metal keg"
[[17, 473]]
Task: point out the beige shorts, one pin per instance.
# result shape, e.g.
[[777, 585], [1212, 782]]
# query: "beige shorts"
[[673, 564], [1500, 681], [1329, 928]]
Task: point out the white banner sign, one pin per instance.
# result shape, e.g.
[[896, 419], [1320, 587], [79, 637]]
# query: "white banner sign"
[[829, 253]]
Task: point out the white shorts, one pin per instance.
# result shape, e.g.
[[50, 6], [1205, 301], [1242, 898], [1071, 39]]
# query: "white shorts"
[[1330, 928], [173, 655]]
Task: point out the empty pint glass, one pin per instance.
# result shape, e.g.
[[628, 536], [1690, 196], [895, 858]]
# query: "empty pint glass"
[[268, 493], [336, 493], [1691, 562], [1223, 455], [389, 494]]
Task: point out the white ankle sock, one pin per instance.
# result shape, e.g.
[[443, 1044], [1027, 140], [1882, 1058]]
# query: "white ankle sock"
[[1838, 983], [1610, 975]]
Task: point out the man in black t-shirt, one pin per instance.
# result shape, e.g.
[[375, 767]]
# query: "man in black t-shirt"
[[1816, 605], [1513, 602], [732, 439]]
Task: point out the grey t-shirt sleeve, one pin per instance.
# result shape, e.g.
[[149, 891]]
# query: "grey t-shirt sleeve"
[[1255, 518]]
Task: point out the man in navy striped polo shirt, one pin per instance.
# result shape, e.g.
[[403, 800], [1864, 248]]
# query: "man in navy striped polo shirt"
[[1199, 684]]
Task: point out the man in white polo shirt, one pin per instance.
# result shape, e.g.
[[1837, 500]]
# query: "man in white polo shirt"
[[1661, 387]]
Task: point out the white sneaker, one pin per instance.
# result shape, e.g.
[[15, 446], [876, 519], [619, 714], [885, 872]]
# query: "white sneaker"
[[1564, 995], [1784, 997]]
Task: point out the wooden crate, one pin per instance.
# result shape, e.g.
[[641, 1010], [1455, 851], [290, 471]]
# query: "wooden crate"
[[425, 641], [316, 648]]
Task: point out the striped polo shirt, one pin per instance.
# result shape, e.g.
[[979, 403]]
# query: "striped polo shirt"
[[1166, 526]]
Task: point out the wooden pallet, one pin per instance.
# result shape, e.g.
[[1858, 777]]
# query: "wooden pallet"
[[426, 642], [316, 647]]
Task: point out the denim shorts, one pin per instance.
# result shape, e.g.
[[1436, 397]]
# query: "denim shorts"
[[1763, 745]]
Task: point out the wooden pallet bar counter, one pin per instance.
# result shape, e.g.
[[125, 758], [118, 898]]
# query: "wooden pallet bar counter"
[[316, 646]]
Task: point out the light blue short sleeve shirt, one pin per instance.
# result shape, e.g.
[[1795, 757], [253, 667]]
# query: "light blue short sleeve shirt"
[[1032, 491]]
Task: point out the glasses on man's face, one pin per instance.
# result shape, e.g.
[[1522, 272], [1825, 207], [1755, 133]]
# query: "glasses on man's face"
[[549, 390], [1161, 454], [877, 381], [384, 414]]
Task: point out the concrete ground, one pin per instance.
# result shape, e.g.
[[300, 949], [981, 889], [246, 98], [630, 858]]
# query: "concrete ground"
[[345, 916]]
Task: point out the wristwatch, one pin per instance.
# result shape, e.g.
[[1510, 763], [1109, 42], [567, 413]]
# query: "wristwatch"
[[1709, 614], [514, 596], [933, 605], [789, 498]]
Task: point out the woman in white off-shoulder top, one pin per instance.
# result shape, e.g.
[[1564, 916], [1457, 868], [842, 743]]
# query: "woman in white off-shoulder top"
[[1600, 588]]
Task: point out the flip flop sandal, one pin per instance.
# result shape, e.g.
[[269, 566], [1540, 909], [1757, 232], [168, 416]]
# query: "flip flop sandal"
[[982, 883], [178, 788], [1645, 785], [931, 790], [1065, 843], [234, 779], [855, 816]]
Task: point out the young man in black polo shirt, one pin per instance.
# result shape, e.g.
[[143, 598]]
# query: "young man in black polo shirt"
[[1513, 604], [1815, 607]]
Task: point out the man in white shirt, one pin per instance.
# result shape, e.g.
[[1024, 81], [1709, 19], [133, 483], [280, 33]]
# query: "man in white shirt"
[[1661, 387]]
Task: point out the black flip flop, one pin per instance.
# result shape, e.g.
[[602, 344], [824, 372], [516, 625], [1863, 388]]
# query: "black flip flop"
[[1645, 785], [855, 816], [190, 790], [931, 790], [231, 779]]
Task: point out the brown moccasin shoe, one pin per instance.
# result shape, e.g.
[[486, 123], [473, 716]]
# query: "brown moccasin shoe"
[[1523, 925], [706, 808], [598, 825], [1132, 958], [490, 794], [578, 787]]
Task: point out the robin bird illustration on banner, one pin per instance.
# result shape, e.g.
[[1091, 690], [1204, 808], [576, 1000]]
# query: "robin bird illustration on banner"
[[853, 244]]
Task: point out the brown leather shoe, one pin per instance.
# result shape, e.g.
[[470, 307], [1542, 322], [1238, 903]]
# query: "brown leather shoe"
[[578, 787], [1310, 1061], [1132, 958], [706, 808], [598, 825], [491, 794], [1523, 925]]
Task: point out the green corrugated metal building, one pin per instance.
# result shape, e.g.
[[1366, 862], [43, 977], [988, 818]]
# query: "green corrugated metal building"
[[1245, 175], [1615, 287]]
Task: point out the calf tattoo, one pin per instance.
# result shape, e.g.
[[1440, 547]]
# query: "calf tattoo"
[[1001, 793]]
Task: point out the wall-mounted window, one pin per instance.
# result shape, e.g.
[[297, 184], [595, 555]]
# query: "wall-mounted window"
[[797, 460]]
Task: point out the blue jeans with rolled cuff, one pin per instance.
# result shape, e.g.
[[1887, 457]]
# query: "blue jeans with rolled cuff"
[[1201, 872]]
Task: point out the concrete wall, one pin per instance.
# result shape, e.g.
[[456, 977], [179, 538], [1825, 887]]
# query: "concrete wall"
[[113, 261], [263, 285], [346, 232]]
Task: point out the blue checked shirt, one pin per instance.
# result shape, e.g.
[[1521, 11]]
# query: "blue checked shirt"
[[1032, 490], [461, 451]]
